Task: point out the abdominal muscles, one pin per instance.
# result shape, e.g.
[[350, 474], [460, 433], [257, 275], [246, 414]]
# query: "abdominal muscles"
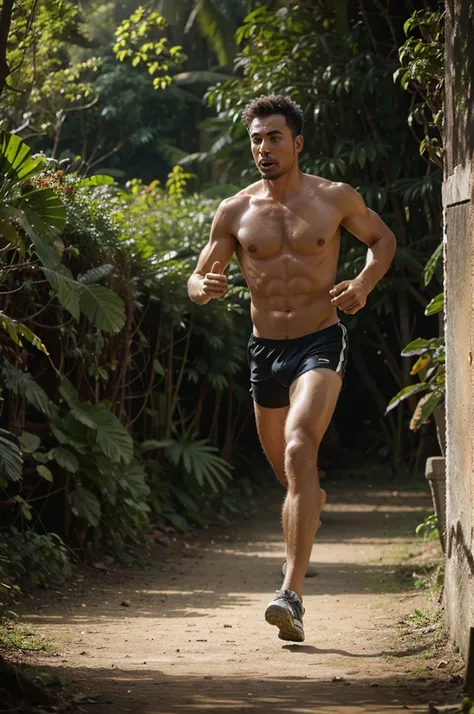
[[290, 298]]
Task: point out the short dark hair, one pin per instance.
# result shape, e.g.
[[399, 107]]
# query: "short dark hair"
[[274, 104]]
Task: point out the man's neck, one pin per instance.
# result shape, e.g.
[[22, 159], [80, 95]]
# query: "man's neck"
[[285, 186]]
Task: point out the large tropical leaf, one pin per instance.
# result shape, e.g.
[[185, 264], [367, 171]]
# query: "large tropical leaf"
[[111, 435], [11, 460], [215, 20], [17, 330], [23, 383], [29, 442], [40, 234], [103, 307], [66, 288], [65, 458], [15, 160], [132, 480], [85, 504], [46, 203], [95, 274]]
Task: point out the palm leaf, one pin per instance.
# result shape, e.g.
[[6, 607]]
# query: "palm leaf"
[[48, 206], [173, 12], [218, 28], [15, 160], [201, 460], [11, 460], [16, 330], [111, 435], [22, 383]]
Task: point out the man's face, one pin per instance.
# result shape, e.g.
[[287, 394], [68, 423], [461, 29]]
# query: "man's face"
[[274, 148]]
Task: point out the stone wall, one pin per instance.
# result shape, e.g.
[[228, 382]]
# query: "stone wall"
[[459, 318]]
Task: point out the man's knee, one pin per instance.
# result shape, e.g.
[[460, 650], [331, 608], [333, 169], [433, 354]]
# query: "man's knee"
[[301, 453]]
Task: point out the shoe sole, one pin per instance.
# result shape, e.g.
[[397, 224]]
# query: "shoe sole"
[[280, 617]]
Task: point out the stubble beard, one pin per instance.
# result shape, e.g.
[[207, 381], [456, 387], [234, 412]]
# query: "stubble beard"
[[271, 177], [278, 173]]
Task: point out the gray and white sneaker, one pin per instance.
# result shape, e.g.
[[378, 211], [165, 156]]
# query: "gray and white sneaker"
[[286, 612]]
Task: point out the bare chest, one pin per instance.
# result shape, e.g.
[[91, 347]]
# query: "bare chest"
[[266, 230]]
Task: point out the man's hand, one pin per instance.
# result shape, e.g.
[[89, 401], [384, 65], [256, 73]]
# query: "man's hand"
[[350, 296], [214, 284]]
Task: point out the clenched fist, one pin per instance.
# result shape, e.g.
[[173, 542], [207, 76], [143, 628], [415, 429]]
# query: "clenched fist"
[[214, 284], [349, 296]]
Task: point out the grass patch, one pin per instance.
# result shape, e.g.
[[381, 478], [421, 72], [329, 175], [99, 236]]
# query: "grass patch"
[[21, 638]]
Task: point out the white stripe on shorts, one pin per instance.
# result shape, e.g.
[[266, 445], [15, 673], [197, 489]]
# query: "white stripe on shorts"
[[344, 347]]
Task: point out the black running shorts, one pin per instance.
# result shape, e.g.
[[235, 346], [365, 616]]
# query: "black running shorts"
[[275, 364]]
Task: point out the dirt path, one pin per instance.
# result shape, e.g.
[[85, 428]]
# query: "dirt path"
[[193, 638]]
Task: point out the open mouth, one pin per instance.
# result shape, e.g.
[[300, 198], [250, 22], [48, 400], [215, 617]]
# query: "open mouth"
[[266, 164]]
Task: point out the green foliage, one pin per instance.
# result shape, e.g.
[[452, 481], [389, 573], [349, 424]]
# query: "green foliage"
[[428, 529], [30, 556], [138, 41], [11, 461], [430, 367], [467, 706], [200, 460], [42, 215], [422, 69]]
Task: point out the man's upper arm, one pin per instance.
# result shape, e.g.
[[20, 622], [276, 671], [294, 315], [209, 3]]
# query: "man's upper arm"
[[361, 221], [222, 242]]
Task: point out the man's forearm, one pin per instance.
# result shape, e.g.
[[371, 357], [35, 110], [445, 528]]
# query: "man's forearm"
[[379, 258], [195, 290]]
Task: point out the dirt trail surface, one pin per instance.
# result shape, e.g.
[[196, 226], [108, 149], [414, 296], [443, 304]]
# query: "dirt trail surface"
[[192, 636]]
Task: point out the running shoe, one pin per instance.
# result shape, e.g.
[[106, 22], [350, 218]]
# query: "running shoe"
[[286, 612]]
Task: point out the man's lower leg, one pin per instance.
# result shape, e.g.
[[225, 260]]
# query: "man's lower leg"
[[302, 509]]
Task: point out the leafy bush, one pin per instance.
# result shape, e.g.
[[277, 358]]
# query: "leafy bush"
[[42, 559], [169, 377]]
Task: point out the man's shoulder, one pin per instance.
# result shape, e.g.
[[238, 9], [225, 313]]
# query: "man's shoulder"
[[232, 204], [323, 185], [338, 192]]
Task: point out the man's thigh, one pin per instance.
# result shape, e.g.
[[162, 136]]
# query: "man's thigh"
[[313, 399], [271, 430]]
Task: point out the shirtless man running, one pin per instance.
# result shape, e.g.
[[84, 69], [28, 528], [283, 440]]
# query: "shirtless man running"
[[285, 231]]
